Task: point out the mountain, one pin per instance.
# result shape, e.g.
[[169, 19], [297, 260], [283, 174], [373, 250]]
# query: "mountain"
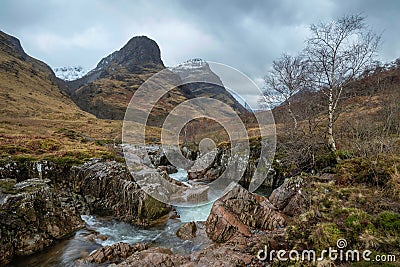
[[69, 73], [214, 88], [29, 87], [106, 90], [36, 117]]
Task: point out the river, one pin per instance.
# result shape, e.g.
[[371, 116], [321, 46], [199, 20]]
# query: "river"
[[65, 252]]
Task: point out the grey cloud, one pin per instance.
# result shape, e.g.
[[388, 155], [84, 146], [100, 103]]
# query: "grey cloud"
[[247, 35]]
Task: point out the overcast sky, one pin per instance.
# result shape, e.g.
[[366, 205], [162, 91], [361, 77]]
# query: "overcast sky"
[[246, 35]]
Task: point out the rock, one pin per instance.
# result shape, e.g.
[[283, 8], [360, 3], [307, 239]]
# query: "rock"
[[110, 189], [114, 253], [155, 256], [240, 211], [168, 169], [32, 218], [289, 197], [208, 167], [95, 235], [187, 231], [238, 251]]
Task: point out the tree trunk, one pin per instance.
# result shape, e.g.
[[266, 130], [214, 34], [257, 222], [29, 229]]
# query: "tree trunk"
[[292, 115], [331, 139]]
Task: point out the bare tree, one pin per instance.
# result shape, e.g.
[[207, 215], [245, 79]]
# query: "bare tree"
[[286, 78], [338, 52]]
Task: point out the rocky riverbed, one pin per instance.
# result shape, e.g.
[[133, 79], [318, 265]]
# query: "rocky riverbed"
[[97, 214]]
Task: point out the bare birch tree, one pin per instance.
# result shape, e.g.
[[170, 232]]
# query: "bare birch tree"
[[286, 78], [338, 52]]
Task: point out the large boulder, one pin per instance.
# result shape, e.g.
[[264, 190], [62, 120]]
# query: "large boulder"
[[240, 211], [33, 216], [110, 189], [289, 197]]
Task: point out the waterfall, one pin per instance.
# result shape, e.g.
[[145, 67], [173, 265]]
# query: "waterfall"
[[188, 214]]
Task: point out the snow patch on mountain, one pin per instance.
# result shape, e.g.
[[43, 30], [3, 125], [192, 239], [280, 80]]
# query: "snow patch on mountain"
[[191, 64], [69, 73]]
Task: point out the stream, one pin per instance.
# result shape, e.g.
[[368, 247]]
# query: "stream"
[[86, 240]]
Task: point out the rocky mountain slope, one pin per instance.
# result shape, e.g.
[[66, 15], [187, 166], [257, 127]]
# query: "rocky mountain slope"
[[200, 70], [106, 90]]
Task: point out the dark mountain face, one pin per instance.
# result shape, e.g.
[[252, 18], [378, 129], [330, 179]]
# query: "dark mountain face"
[[199, 70], [138, 53], [12, 46], [138, 56], [106, 90]]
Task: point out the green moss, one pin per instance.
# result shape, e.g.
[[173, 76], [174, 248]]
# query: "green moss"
[[373, 263], [23, 158], [358, 222], [325, 235], [388, 221], [7, 186], [12, 149], [104, 142], [154, 209], [328, 161], [367, 171], [65, 160], [71, 134]]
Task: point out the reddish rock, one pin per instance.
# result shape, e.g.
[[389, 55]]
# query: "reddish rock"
[[240, 211], [114, 253], [187, 231], [155, 256]]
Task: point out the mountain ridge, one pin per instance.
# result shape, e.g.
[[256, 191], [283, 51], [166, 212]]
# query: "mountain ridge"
[[106, 90]]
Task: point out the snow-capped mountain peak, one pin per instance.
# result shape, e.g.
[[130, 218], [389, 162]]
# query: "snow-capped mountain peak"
[[191, 64], [69, 73]]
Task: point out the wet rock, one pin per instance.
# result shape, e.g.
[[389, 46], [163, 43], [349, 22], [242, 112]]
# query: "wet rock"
[[33, 216], [95, 235], [110, 189], [187, 231], [168, 169], [240, 211], [114, 253], [289, 197], [44, 169], [209, 166], [238, 251]]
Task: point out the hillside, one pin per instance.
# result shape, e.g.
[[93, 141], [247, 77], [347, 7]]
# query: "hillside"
[[366, 128], [36, 118], [43, 115]]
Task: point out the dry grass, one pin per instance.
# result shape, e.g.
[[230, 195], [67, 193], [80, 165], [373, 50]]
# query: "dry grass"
[[37, 120]]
